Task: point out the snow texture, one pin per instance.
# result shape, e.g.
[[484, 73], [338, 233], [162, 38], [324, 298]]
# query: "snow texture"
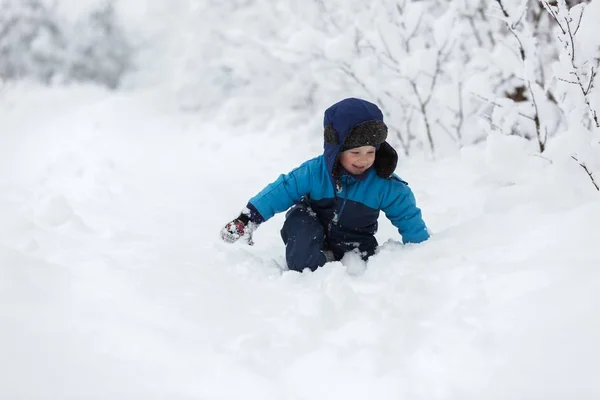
[[114, 282]]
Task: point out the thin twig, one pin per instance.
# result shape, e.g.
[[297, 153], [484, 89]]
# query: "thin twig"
[[445, 129], [571, 46], [411, 36], [578, 23], [461, 113], [587, 91], [566, 81], [548, 8], [502, 8], [514, 25], [423, 109], [475, 31], [543, 158], [536, 120], [386, 46], [492, 124], [587, 171], [572, 41], [501, 106]]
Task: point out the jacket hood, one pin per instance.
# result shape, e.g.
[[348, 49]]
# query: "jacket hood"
[[343, 120]]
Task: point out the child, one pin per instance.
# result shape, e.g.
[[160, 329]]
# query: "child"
[[337, 196]]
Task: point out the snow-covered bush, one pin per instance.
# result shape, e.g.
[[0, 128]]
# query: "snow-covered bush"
[[441, 71], [577, 69], [32, 44], [577, 84], [406, 56], [446, 74], [35, 43], [100, 51]]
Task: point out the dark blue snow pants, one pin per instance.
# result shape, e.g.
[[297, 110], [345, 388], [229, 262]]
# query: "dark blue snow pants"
[[304, 238]]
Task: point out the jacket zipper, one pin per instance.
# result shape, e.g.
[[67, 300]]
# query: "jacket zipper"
[[336, 217]]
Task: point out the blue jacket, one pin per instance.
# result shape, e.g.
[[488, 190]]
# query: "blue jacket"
[[347, 206]]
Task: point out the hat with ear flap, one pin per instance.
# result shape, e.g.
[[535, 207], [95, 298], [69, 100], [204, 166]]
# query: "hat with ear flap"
[[352, 123]]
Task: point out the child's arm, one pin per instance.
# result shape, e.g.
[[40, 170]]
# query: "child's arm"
[[282, 193], [276, 197], [400, 207]]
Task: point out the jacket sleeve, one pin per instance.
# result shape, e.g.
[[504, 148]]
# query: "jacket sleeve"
[[281, 194], [400, 207]]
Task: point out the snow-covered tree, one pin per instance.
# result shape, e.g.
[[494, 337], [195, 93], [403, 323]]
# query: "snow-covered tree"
[[444, 73], [100, 51], [32, 43], [36, 44]]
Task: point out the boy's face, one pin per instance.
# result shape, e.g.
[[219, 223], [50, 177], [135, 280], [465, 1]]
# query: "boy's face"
[[358, 160]]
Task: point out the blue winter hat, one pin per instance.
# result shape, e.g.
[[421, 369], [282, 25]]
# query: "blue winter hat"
[[354, 123]]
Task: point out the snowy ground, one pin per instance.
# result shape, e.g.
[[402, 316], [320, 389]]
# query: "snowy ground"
[[114, 285]]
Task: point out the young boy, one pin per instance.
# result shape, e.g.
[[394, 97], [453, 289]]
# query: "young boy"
[[337, 196]]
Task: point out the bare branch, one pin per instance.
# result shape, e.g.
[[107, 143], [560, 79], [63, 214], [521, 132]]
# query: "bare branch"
[[386, 46], [475, 31], [572, 41], [407, 121], [492, 40], [492, 125], [503, 81], [433, 79], [423, 109], [502, 8], [566, 81], [543, 158], [348, 71], [553, 14], [521, 48], [400, 7], [537, 18], [412, 35], [587, 171], [536, 120], [578, 23], [445, 129], [591, 82], [511, 28], [501, 106], [461, 113], [515, 24]]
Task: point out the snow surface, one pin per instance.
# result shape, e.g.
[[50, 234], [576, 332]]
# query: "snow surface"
[[114, 283]]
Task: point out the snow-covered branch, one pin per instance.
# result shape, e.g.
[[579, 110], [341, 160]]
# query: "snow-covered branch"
[[519, 30], [579, 70]]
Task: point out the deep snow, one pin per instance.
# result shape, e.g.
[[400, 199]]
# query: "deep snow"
[[114, 284]]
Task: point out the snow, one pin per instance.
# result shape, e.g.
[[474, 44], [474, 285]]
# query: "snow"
[[114, 282]]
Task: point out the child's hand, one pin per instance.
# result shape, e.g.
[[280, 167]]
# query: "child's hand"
[[237, 229]]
